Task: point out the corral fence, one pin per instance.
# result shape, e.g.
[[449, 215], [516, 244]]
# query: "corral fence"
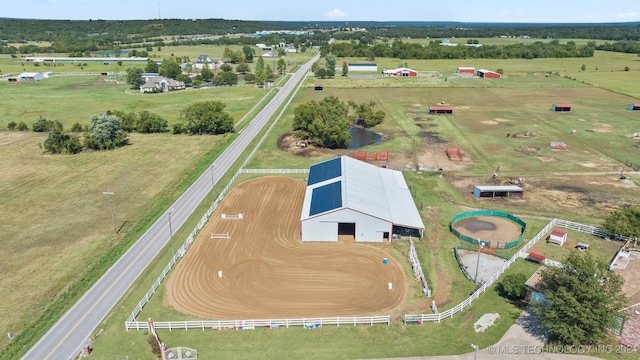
[[275, 171], [308, 323], [417, 268], [419, 318], [498, 244]]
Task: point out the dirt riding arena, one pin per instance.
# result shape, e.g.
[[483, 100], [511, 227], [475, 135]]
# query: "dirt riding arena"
[[268, 272]]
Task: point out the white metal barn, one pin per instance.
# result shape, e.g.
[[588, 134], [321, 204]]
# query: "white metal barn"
[[349, 197]]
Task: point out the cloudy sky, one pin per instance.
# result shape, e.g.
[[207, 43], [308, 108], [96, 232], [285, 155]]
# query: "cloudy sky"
[[546, 11]]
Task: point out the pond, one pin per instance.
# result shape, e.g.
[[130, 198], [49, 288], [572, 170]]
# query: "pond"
[[362, 137]]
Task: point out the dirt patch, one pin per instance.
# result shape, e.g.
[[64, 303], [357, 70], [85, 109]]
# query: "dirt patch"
[[490, 228], [581, 120], [91, 85], [602, 128], [462, 107], [501, 120], [528, 150], [489, 122], [432, 137], [292, 144], [268, 272], [546, 159]]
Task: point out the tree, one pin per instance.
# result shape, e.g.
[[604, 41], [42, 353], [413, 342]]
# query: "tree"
[[249, 78], [363, 114], [22, 126], [134, 77], [315, 67], [249, 52], [321, 73], [330, 65], [169, 68], [243, 68], [12, 125], [513, 287], [207, 117], [128, 120], [282, 66], [583, 67], [345, 68], [260, 76], [184, 78], [324, 123], [151, 67], [206, 73], [625, 222], [226, 68], [151, 123], [59, 143], [45, 125], [105, 133], [268, 73], [76, 127], [227, 53], [582, 297]]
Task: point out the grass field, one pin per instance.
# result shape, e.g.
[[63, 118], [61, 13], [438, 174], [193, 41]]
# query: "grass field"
[[59, 198]]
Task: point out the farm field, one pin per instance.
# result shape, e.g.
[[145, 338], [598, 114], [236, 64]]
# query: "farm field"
[[581, 183]]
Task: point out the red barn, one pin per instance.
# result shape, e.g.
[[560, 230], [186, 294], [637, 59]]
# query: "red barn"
[[440, 110], [466, 71], [400, 72], [561, 107], [483, 73]]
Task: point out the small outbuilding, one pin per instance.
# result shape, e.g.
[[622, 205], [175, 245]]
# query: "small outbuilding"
[[318, 87], [557, 238], [503, 191], [362, 67], [468, 71], [536, 258], [634, 107], [561, 107], [31, 76], [558, 145], [483, 73], [440, 110]]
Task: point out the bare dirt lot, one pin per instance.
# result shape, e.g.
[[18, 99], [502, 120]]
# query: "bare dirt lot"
[[488, 228], [267, 272]]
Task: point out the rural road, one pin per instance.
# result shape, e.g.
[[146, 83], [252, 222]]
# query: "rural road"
[[69, 335]]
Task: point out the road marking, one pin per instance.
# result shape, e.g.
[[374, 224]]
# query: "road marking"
[[104, 294]]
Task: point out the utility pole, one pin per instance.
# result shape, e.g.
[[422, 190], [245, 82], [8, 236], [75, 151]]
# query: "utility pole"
[[113, 215], [476, 348], [475, 280]]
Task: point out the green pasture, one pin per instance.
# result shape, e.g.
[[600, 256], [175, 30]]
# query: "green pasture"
[[71, 99], [59, 198], [598, 247], [601, 62]]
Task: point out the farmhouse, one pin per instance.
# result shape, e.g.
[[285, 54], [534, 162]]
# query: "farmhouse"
[[467, 71], [161, 83], [506, 191], [363, 202], [483, 73], [561, 107], [362, 67], [400, 72]]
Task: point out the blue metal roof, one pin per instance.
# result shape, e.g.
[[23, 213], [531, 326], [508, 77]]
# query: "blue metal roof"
[[324, 171], [325, 198]]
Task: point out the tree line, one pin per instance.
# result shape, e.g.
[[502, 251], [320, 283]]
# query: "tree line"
[[109, 130], [435, 50]]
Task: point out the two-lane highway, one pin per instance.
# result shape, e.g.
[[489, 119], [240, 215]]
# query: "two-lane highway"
[[67, 337]]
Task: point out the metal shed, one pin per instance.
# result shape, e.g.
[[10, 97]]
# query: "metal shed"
[[503, 191]]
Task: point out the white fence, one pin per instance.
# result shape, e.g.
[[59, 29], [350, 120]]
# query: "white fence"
[[419, 318], [308, 323], [275, 171], [417, 268]]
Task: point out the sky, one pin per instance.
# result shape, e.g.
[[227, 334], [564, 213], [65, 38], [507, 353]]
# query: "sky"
[[501, 11]]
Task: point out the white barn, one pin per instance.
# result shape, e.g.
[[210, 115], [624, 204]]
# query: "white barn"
[[349, 197]]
